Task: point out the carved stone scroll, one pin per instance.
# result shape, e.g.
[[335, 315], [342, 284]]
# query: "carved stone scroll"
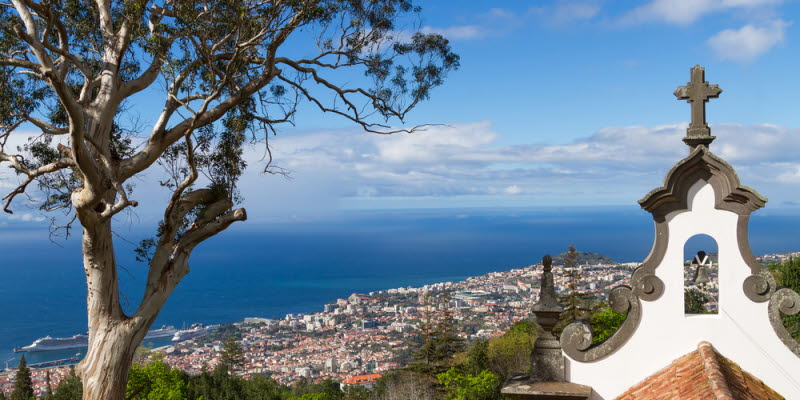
[[576, 339]]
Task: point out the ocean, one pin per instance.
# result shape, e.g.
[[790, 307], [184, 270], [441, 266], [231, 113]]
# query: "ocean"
[[270, 270]]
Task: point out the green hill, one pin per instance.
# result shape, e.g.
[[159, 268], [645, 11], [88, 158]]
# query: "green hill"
[[585, 257]]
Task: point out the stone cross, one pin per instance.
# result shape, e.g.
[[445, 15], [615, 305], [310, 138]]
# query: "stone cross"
[[697, 92]]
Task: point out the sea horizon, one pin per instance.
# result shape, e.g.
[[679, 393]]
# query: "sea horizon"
[[271, 270]]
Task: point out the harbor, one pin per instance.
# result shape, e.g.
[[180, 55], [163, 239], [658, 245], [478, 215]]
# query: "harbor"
[[51, 352]]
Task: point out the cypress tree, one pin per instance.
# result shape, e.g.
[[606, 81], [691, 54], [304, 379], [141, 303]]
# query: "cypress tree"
[[23, 385], [49, 394]]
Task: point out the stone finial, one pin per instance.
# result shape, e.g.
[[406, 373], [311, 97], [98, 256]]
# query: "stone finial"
[[548, 378], [548, 299], [547, 363], [697, 92]]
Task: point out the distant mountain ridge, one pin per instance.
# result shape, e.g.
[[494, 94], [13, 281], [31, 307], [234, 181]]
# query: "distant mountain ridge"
[[585, 257]]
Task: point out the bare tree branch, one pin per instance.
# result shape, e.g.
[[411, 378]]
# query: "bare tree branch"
[[17, 163]]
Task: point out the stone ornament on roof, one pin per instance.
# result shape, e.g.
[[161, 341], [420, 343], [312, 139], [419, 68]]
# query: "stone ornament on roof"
[[701, 194], [548, 299], [548, 379], [697, 92]]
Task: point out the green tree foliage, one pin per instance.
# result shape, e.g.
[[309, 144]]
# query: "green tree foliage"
[[223, 333], [325, 390], [440, 340], [156, 381], [405, 385], [23, 385], [693, 300], [511, 353], [224, 74], [232, 354], [70, 388], [263, 388], [221, 385], [605, 322], [787, 274], [48, 395], [477, 357], [461, 385], [576, 304], [356, 393], [217, 384], [316, 396]]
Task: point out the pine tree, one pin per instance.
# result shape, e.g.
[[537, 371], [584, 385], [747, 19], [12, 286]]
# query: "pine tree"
[[426, 328], [439, 336], [576, 304], [448, 341], [23, 385], [232, 354], [70, 388]]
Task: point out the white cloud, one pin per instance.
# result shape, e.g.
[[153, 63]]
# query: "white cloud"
[[500, 13], [618, 164], [463, 32], [26, 217], [749, 3], [685, 12], [567, 12], [789, 172], [748, 42], [500, 21], [614, 165]]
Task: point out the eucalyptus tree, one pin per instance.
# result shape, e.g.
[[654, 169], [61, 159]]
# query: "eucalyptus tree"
[[230, 73]]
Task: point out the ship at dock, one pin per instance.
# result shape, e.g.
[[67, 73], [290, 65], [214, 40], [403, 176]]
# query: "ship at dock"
[[194, 332], [81, 341]]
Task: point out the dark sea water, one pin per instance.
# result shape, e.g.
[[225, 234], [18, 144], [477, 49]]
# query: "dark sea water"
[[271, 270]]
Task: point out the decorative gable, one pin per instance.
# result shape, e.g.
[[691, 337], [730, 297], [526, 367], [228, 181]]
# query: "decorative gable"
[[701, 195]]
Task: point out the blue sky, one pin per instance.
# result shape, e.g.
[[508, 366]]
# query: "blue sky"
[[556, 103], [569, 103]]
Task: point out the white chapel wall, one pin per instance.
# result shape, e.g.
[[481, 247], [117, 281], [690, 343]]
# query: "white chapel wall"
[[741, 331]]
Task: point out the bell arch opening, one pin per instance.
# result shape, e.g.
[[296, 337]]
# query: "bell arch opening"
[[700, 275]]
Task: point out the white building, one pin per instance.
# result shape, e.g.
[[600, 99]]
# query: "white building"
[[742, 352]]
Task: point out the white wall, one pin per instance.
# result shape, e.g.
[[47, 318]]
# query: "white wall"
[[741, 331]]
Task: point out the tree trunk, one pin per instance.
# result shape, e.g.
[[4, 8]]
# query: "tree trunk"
[[113, 337], [104, 370]]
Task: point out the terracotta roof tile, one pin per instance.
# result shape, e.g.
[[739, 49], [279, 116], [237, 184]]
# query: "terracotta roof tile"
[[360, 379], [701, 374]]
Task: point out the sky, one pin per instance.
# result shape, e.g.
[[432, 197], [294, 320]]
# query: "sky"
[[556, 103]]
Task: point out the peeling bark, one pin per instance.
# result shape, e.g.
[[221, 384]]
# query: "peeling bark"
[[113, 337], [229, 69]]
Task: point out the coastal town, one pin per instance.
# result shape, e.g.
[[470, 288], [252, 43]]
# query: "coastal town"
[[355, 340]]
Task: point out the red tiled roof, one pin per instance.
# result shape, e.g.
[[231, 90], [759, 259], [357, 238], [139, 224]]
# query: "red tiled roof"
[[701, 374], [356, 380]]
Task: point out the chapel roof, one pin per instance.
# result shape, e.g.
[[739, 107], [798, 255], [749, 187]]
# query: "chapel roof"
[[701, 374]]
